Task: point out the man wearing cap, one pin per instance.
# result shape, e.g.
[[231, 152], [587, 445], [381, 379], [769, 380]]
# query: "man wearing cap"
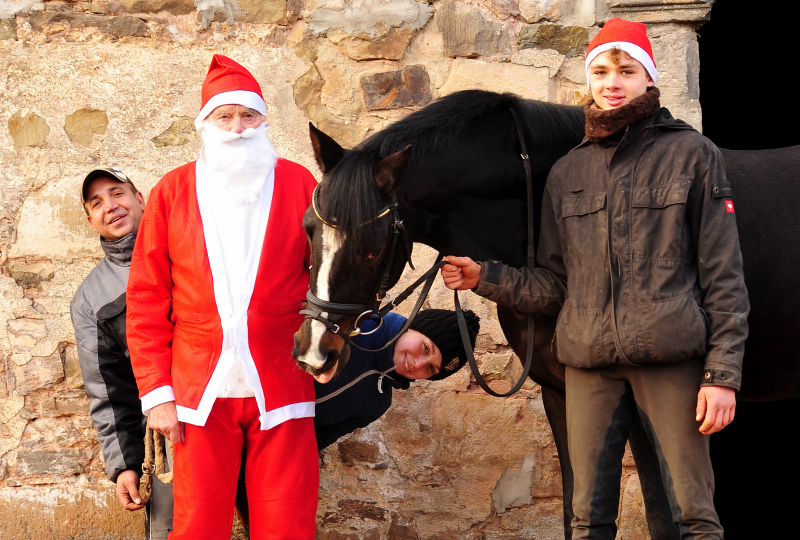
[[114, 209], [639, 245], [218, 277]]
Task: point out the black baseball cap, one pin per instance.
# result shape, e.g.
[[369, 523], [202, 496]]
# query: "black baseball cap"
[[104, 172]]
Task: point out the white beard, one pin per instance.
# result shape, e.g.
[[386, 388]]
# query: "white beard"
[[238, 163]]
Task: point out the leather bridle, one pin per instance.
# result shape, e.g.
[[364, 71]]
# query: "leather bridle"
[[317, 307]]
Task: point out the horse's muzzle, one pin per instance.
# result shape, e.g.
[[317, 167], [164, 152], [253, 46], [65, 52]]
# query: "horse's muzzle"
[[323, 359]]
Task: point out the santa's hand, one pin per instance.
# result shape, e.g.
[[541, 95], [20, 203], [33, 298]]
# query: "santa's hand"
[[461, 274], [128, 491], [164, 420]]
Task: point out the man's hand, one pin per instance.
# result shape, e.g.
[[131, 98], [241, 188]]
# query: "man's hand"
[[716, 406], [128, 491], [164, 420], [462, 273]]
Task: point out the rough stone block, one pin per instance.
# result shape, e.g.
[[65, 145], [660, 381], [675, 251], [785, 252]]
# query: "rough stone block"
[[468, 32], [40, 372], [568, 40], [83, 123], [527, 81], [548, 58], [402, 529], [123, 25], [503, 8], [180, 132], [371, 19], [632, 519], [8, 28], [176, 7], [537, 10], [388, 47], [514, 486], [72, 367], [352, 451], [356, 509], [407, 87], [262, 11], [28, 129], [30, 274], [25, 333], [63, 462]]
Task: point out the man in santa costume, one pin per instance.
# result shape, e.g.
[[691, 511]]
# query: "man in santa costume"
[[218, 275]]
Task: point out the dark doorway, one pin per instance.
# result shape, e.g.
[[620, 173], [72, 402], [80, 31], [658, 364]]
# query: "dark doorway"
[[746, 69], [747, 53]]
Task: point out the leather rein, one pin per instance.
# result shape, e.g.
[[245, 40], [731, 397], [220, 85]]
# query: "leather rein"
[[317, 306]]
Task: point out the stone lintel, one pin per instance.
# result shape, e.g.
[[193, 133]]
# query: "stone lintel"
[[661, 11]]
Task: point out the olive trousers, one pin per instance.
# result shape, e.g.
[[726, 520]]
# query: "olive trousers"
[[601, 404]]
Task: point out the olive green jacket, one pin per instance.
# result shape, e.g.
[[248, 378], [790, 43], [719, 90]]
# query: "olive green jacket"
[[639, 255]]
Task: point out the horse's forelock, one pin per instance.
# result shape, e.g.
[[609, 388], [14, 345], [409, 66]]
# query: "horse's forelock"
[[352, 199]]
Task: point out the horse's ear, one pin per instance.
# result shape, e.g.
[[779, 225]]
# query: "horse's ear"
[[391, 169], [326, 151]]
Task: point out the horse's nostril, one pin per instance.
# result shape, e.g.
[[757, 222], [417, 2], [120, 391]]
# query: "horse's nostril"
[[331, 358]]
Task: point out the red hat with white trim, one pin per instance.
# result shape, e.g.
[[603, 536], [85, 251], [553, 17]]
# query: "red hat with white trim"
[[228, 83], [627, 36]]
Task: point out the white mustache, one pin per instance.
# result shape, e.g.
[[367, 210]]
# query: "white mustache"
[[230, 136]]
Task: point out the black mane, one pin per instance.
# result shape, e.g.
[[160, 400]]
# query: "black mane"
[[351, 194]]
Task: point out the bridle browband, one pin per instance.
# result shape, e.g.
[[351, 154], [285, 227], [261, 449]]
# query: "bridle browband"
[[373, 311]]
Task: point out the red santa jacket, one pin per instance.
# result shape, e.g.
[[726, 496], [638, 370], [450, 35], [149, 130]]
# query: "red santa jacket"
[[174, 331]]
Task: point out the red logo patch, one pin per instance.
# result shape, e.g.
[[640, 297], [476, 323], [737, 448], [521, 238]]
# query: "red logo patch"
[[729, 206]]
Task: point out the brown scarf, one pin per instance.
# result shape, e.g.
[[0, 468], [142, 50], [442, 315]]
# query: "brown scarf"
[[601, 123]]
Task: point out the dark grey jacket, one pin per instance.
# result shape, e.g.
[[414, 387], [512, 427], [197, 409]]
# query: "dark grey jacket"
[[98, 315], [639, 244]]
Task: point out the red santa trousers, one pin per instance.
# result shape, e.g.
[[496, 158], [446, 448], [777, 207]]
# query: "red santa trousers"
[[282, 475]]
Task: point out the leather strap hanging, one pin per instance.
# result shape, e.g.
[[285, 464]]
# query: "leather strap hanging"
[[531, 255]]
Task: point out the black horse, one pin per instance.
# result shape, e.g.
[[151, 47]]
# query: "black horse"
[[461, 190]]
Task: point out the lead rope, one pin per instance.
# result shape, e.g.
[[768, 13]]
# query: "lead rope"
[[155, 462], [462, 323]]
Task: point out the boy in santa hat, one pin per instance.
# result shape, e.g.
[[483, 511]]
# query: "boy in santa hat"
[[640, 253], [218, 275]]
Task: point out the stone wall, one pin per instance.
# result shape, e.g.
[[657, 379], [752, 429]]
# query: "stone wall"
[[117, 82]]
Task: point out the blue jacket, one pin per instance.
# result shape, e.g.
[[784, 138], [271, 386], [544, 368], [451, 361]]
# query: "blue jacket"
[[342, 409]]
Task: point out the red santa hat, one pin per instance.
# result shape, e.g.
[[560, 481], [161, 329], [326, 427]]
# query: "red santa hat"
[[228, 83], [627, 36]]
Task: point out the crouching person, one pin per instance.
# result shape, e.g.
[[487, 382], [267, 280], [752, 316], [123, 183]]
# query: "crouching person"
[[430, 349]]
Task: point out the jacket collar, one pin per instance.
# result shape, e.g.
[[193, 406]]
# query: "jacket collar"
[[663, 119], [119, 251]]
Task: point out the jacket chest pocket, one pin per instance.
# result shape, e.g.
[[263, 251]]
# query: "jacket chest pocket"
[[585, 225], [658, 215]]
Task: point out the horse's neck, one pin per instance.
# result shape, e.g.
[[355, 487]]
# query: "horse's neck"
[[470, 197], [478, 227]]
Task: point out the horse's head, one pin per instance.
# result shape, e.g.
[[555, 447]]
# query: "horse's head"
[[352, 252]]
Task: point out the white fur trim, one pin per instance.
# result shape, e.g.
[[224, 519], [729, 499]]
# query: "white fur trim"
[[304, 409], [245, 98], [636, 52], [162, 394], [232, 316], [269, 419]]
